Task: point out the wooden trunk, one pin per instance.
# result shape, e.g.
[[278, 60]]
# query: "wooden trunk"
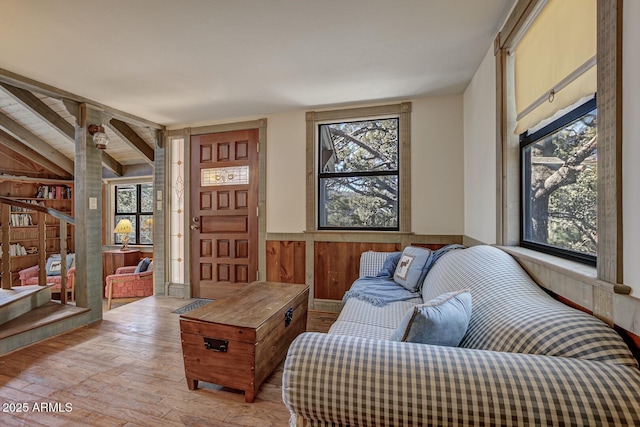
[[237, 341]]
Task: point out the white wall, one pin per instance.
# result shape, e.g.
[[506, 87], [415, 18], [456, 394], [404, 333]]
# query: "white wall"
[[480, 153], [631, 145], [437, 169], [436, 165], [286, 172]]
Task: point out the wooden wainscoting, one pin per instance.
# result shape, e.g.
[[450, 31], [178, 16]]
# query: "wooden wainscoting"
[[337, 265], [286, 261], [329, 262]]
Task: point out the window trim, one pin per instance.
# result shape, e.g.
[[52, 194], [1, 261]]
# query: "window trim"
[[315, 118], [137, 214]]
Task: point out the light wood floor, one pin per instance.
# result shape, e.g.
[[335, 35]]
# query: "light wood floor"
[[127, 370]]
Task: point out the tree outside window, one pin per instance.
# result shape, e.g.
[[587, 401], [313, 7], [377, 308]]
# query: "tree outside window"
[[135, 203], [358, 175], [560, 186]]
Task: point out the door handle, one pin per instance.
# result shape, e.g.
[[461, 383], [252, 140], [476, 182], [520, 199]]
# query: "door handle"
[[194, 225]]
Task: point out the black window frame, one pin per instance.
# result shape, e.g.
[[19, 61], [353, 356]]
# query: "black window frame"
[[527, 139], [320, 175], [137, 226]]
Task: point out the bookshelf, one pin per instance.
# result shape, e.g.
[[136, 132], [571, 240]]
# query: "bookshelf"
[[24, 225]]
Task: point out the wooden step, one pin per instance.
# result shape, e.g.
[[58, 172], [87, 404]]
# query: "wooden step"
[[22, 299], [51, 318]]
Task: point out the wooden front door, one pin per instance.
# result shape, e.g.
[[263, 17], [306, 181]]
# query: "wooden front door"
[[224, 217]]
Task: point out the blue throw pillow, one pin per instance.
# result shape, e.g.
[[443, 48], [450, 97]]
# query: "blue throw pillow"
[[442, 321], [411, 271], [142, 265], [54, 265], [390, 264]]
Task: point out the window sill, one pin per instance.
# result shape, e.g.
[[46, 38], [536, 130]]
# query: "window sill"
[[575, 270], [358, 236], [142, 248], [337, 231]]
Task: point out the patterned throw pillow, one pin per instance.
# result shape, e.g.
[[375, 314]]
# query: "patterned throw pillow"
[[54, 265], [410, 271], [442, 321]]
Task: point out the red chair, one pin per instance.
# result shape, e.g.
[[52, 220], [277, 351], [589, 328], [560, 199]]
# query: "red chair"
[[126, 285], [29, 276]]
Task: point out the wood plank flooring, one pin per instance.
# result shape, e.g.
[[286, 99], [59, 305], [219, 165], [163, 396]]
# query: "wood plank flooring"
[[127, 370]]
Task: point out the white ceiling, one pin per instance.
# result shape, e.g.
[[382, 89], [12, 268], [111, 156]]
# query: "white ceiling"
[[194, 61]]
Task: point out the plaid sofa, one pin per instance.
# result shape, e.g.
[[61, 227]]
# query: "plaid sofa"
[[525, 360]]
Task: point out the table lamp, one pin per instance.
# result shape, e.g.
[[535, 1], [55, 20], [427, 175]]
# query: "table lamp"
[[123, 229]]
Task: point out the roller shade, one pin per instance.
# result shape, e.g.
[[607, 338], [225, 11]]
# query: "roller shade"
[[555, 61]]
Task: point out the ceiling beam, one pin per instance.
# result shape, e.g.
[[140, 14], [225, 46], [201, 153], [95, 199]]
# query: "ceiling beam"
[[46, 113], [40, 109], [112, 164], [36, 143], [72, 107], [19, 147], [35, 86], [37, 180], [129, 136]]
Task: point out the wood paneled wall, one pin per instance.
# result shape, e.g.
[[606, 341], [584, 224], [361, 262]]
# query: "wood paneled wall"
[[286, 261], [336, 264], [146, 252]]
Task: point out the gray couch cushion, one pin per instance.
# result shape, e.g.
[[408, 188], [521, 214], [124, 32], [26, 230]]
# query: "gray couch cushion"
[[512, 313], [359, 318], [371, 262]]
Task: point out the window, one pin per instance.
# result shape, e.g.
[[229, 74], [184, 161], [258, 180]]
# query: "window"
[[135, 203], [358, 174], [324, 183], [559, 179]]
